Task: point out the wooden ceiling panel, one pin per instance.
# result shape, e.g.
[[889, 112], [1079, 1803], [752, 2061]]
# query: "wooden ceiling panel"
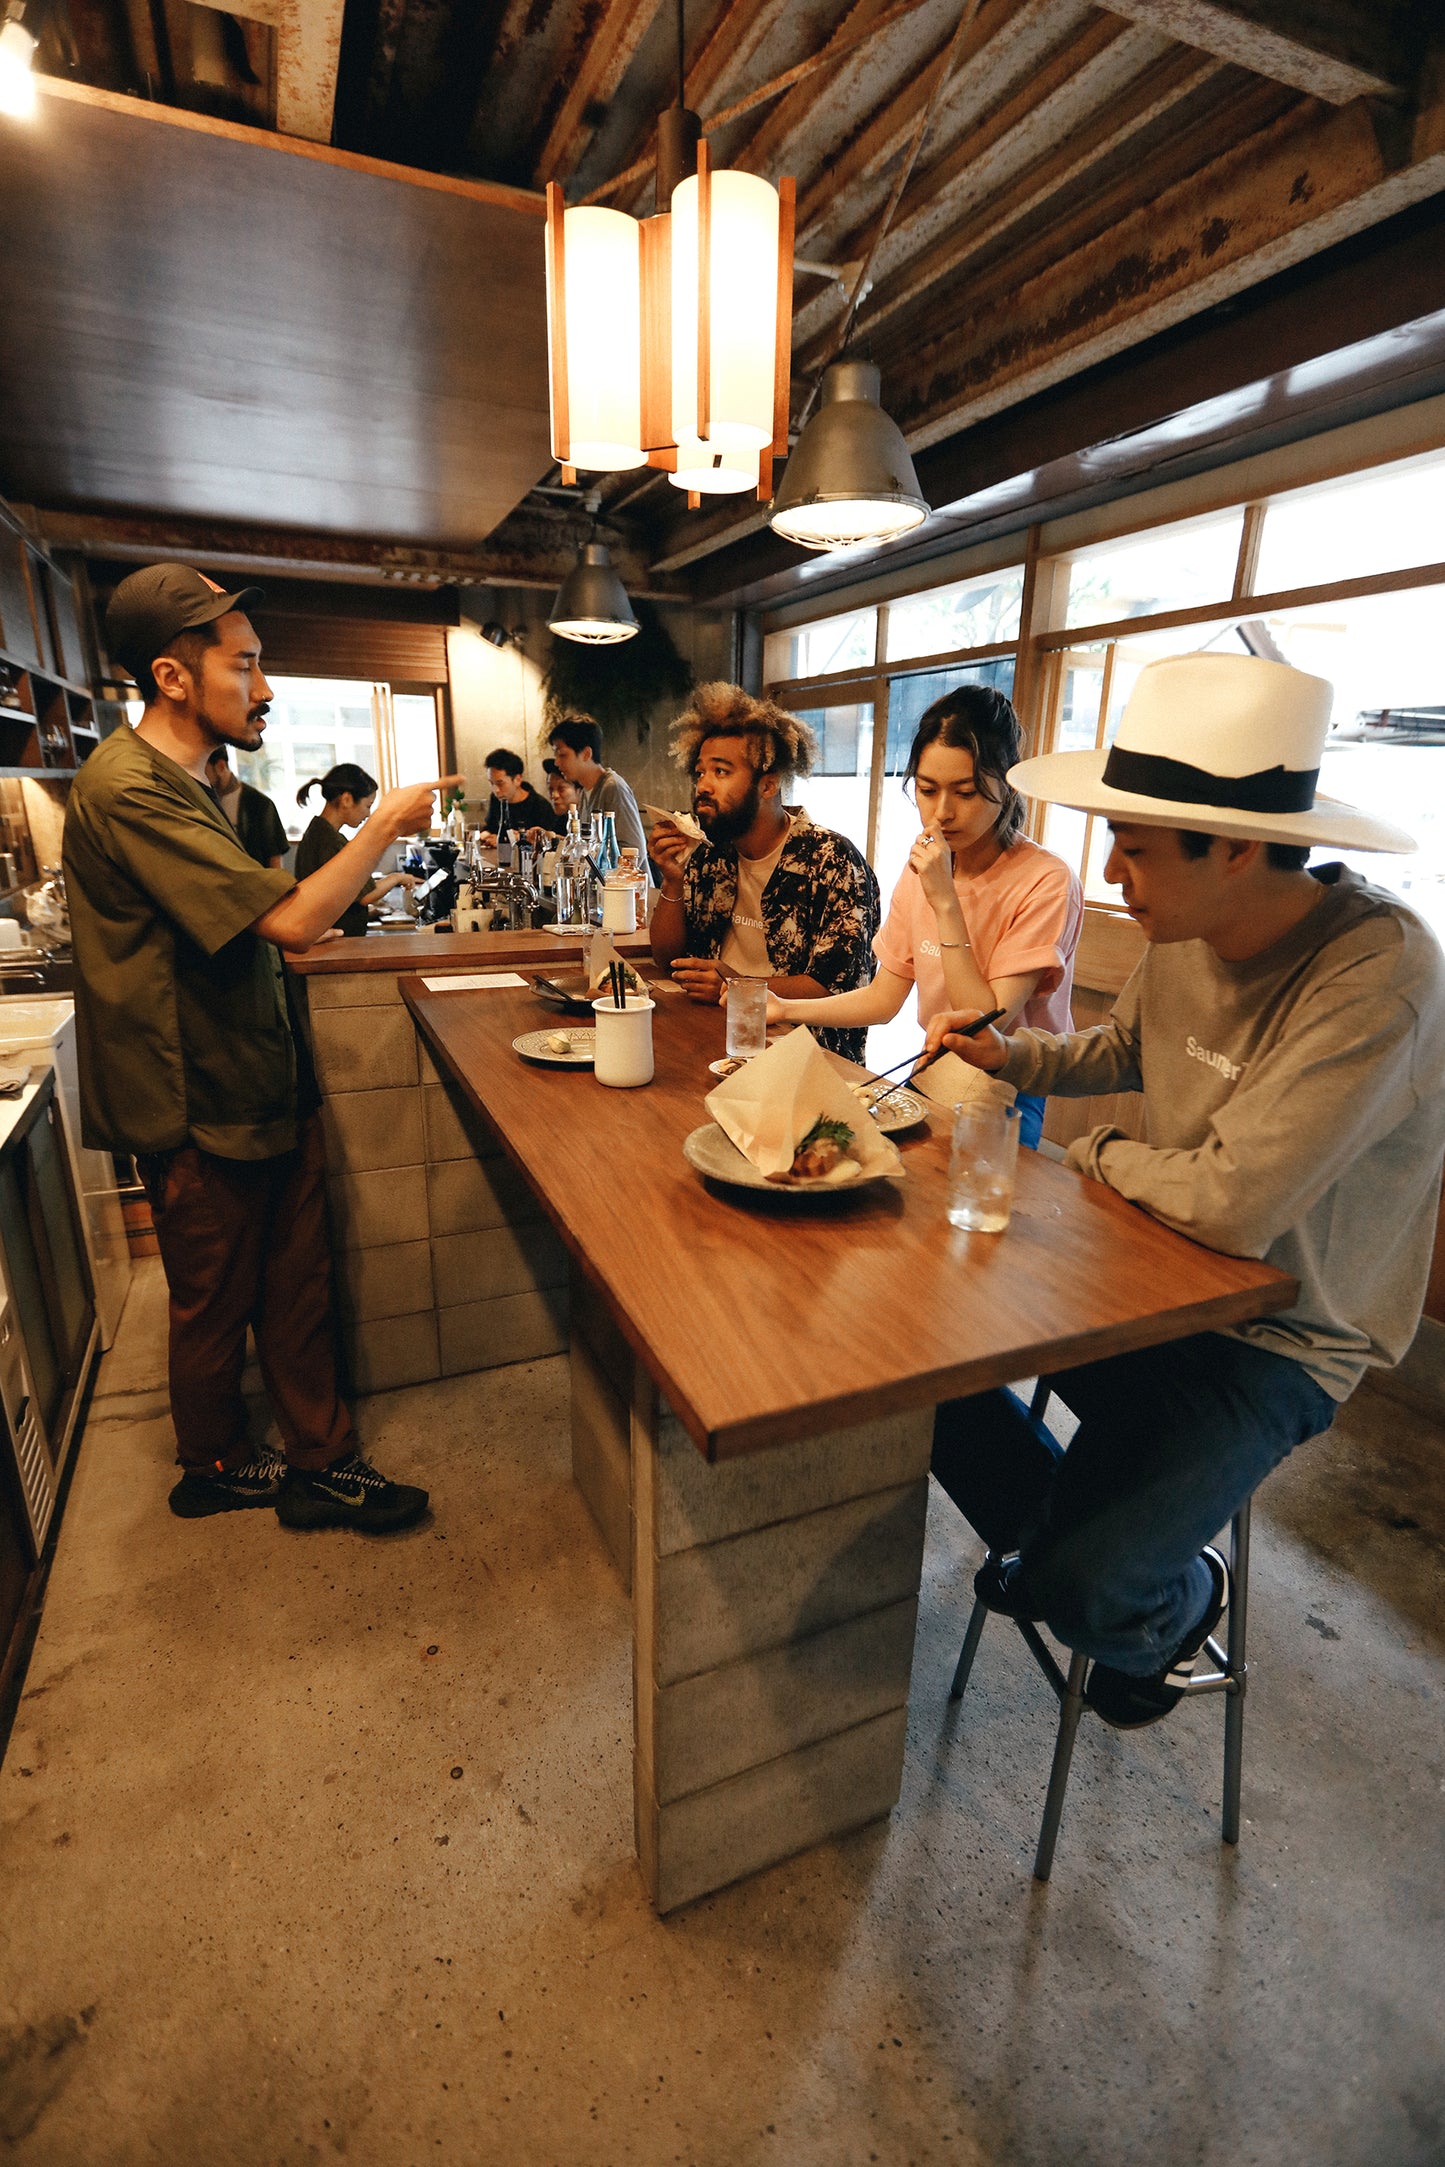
[[203, 319]]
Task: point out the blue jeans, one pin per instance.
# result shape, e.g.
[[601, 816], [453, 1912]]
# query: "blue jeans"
[[1170, 1443]]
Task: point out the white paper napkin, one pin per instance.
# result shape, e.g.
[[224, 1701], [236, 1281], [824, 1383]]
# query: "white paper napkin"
[[768, 1106], [950, 1080]]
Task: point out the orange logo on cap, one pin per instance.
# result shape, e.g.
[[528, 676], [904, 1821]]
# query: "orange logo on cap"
[[209, 583]]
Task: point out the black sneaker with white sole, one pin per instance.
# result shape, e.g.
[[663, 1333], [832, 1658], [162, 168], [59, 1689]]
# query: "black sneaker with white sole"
[[1129, 1702], [204, 1490], [349, 1493]]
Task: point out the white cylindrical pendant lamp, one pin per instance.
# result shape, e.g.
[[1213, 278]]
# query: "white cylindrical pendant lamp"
[[741, 309], [17, 66], [601, 342], [713, 472]]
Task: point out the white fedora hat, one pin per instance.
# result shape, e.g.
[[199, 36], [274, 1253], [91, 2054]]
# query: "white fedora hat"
[[1226, 744]]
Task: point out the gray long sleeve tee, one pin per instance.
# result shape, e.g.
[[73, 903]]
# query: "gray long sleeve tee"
[[1294, 1110]]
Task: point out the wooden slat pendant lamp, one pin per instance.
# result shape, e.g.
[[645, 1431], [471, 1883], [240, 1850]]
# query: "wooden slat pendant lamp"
[[669, 339]]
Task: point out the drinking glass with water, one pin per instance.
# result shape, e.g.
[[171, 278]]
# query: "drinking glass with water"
[[747, 1018], [982, 1166]]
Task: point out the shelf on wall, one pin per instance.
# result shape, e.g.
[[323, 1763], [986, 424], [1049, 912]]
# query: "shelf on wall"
[[51, 677], [38, 774]]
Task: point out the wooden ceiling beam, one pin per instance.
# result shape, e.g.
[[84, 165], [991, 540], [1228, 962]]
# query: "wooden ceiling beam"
[[1331, 49], [603, 50], [866, 156], [926, 252], [1314, 177], [533, 548]]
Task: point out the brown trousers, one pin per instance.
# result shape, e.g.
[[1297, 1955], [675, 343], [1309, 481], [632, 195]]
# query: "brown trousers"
[[244, 1242]]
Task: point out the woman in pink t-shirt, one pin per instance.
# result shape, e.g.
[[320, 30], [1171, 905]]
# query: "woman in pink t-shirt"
[[982, 917]]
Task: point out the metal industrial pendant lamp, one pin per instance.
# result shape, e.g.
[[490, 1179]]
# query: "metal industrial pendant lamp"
[[17, 64], [669, 339], [592, 606], [849, 477]]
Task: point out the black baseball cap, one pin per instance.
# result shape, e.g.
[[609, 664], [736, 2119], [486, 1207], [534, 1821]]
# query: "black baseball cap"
[[149, 608]]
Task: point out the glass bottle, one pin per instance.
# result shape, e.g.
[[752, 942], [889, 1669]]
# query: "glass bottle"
[[504, 840]]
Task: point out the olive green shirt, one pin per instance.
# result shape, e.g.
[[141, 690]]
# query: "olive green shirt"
[[181, 1024]]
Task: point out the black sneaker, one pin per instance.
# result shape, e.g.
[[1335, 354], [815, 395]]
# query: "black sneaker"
[[349, 1493], [997, 1585], [1129, 1702], [202, 1491]]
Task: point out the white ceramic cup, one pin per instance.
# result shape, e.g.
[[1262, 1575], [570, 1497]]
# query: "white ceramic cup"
[[624, 1042], [619, 910]]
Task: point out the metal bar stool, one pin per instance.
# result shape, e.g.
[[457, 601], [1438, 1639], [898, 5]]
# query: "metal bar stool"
[[1229, 1676]]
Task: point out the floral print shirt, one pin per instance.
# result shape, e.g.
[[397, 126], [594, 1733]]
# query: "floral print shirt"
[[821, 908]]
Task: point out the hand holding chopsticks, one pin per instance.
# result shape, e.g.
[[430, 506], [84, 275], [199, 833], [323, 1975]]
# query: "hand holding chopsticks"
[[967, 1030]]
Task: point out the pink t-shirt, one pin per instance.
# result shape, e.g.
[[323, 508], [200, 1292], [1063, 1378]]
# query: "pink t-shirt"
[[1022, 915]]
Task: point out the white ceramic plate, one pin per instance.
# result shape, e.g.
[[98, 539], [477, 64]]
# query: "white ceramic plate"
[[717, 1156], [532, 1046], [568, 932]]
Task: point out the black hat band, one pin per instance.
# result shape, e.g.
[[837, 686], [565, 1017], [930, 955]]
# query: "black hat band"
[[1268, 790]]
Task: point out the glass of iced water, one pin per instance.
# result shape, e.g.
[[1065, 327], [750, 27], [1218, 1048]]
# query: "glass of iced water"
[[982, 1166], [747, 1018]]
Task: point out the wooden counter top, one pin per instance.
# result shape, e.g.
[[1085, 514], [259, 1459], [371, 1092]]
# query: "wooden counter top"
[[765, 1320], [428, 951]]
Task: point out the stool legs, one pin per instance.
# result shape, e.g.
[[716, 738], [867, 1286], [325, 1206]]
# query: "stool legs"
[[969, 1651], [1238, 1670], [1070, 1710]]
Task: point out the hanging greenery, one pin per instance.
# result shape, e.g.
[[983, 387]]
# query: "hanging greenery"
[[618, 685]]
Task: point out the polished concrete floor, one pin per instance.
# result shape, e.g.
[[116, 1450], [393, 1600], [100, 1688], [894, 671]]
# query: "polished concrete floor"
[[319, 1849]]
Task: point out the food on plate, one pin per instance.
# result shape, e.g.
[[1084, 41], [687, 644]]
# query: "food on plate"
[[726, 1068], [823, 1155], [558, 1042]]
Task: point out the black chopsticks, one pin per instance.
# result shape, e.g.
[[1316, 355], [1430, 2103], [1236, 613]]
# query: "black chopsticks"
[[967, 1030], [618, 984]]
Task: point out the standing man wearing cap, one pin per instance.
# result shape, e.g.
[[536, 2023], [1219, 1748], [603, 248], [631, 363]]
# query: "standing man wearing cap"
[[1287, 1030], [188, 1059]]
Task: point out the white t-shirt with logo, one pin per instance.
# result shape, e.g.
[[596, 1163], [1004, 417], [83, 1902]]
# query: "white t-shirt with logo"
[[746, 948]]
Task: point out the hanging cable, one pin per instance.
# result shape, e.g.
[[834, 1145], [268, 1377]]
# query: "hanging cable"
[[905, 174]]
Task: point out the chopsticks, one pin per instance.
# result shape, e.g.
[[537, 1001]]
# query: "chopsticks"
[[618, 985], [967, 1030]]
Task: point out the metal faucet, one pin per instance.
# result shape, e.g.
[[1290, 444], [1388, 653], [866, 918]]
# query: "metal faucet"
[[515, 895]]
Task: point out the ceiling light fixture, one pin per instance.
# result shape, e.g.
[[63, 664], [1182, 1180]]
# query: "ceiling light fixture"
[[849, 477], [592, 606], [669, 339], [17, 65]]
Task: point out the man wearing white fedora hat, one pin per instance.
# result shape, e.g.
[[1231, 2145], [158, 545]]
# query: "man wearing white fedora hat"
[[1287, 1030]]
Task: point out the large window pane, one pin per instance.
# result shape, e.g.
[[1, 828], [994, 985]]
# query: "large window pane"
[[976, 613], [1380, 522], [836, 793], [314, 723], [817, 650], [1382, 655], [417, 759], [1167, 568]]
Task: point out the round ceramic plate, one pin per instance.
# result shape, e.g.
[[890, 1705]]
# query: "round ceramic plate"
[[532, 1046], [717, 1156], [899, 1110]]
